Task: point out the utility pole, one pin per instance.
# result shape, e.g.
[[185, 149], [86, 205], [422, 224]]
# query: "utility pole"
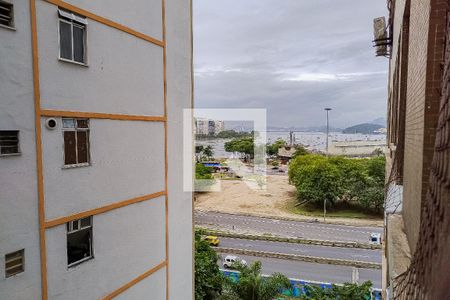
[[327, 109]]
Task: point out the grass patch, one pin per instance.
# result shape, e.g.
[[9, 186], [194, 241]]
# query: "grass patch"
[[339, 211]]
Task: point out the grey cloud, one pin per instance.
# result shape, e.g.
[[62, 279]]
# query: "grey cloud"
[[293, 57]]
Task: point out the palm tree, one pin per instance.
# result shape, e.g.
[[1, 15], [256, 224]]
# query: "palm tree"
[[198, 152], [253, 286], [208, 151]]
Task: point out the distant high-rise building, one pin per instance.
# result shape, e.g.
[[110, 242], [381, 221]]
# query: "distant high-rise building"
[[208, 127], [91, 198]]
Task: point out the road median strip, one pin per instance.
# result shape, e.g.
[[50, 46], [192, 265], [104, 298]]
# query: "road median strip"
[[305, 258], [207, 231]]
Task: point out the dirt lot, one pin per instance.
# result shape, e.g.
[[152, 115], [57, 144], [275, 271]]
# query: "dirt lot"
[[236, 197]]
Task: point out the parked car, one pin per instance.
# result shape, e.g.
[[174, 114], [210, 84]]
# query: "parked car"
[[230, 260], [212, 240], [375, 238]]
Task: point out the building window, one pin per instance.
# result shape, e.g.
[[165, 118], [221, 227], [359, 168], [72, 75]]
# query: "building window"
[[6, 14], [14, 263], [79, 241], [9, 142], [76, 142], [72, 37]]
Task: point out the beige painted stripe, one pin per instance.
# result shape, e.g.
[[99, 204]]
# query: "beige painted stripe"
[[105, 21], [40, 179], [95, 115], [100, 210], [135, 281]]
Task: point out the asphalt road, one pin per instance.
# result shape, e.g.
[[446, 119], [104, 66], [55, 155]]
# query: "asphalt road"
[[307, 230], [357, 254], [312, 271]]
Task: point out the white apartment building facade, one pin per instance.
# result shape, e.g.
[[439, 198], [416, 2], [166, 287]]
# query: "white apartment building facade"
[[91, 195]]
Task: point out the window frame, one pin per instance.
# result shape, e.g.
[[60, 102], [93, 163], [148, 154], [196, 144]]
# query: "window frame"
[[88, 144], [70, 230], [12, 25], [72, 23], [19, 152], [22, 257]]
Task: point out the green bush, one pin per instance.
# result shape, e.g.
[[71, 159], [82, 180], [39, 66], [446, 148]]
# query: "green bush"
[[202, 172], [357, 182], [208, 278], [272, 149]]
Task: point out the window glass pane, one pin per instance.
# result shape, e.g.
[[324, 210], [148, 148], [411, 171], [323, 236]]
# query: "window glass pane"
[[82, 146], [78, 44], [70, 156], [65, 40], [86, 222], [68, 123], [75, 225], [82, 123], [79, 245]]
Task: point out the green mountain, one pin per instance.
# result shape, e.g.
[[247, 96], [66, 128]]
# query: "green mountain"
[[364, 128]]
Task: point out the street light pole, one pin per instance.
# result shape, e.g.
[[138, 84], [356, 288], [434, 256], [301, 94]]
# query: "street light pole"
[[327, 109]]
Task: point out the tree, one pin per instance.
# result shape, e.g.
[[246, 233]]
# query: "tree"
[[348, 291], [244, 146], [300, 151], [226, 134], [208, 279], [357, 182], [272, 149], [316, 179], [253, 286]]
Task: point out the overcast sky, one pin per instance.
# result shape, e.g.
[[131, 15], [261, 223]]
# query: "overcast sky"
[[293, 57]]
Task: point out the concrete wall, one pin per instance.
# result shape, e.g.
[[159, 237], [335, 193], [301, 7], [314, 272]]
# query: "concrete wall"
[[142, 16], [127, 161], [179, 96], [125, 74], [127, 242], [19, 227], [149, 288]]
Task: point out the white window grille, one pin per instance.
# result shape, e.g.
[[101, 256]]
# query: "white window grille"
[[72, 37]]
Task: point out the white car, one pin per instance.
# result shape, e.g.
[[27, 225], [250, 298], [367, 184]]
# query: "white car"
[[375, 238], [231, 259]]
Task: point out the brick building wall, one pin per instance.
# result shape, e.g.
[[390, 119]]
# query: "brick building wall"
[[425, 203], [427, 23], [427, 276], [419, 16]]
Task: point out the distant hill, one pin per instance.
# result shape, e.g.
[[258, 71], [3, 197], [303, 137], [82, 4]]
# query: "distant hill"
[[379, 121], [364, 128]]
